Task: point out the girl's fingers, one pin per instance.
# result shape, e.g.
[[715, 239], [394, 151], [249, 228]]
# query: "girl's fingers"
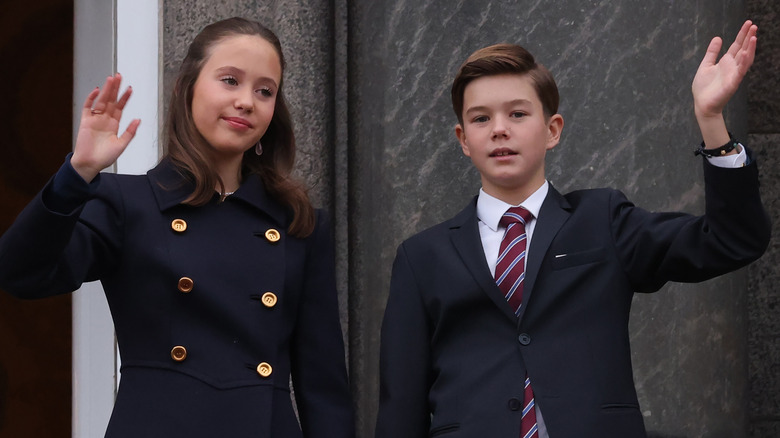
[[114, 90], [90, 99], [99, 105], [123, 100], [130, 132]]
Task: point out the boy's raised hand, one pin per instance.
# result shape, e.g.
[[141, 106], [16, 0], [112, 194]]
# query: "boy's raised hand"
[[717, 80], [98, 144]]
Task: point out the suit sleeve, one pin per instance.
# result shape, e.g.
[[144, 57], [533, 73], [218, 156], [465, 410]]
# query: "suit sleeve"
[[660, 247], [68, 234], [405, 365], [318, 362]]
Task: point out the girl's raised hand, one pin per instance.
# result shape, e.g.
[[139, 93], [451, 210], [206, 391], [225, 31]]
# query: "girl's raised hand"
[[98, 144]]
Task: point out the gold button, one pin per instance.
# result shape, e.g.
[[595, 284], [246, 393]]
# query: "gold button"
[[186, 284], [178, 353], [179, 225], [264, 369], [269, 299], [272, 235]]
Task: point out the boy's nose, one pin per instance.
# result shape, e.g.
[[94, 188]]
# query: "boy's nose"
[[500, 129]]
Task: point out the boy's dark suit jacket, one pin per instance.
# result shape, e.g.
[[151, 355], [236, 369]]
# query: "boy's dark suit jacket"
[[123, 236], [454, 357]]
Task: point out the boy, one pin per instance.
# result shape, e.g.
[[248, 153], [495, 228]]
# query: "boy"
[[480, 340]]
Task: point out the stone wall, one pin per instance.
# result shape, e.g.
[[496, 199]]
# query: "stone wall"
[[764, 275], [368, 84]]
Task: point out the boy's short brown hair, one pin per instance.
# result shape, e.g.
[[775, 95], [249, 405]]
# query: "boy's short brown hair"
[[505, 59]]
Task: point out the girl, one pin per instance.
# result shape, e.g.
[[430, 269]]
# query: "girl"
[[218, 271]]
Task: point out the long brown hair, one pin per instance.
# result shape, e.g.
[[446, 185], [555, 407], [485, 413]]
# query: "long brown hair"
[[187, 149]]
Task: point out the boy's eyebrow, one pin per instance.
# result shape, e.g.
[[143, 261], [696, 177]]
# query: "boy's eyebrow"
[[482, 108]]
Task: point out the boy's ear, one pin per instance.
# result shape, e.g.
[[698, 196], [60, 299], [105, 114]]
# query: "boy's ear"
[[461, 134], [554, 128]]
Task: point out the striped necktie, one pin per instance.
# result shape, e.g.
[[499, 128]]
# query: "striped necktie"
[[510, 265], [510, 273]]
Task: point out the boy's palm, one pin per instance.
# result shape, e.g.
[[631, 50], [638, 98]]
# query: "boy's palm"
[[717, 80]]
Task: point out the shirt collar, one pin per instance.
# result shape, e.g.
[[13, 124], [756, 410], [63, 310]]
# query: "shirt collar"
[[490, 209]]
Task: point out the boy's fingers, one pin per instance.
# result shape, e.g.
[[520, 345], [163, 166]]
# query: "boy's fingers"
[[742, 38], [711, 57]]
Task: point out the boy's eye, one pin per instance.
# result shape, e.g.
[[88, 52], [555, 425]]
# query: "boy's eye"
[[480, 119], [230, 80], [517, 114]]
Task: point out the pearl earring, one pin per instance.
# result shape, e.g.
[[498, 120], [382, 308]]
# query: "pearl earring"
[[259, 148]]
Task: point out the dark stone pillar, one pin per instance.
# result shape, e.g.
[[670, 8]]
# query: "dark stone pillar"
[[624, 71], [764, 275]]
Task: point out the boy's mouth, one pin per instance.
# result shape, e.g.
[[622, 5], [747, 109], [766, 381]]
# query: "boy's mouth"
[[502, 152]]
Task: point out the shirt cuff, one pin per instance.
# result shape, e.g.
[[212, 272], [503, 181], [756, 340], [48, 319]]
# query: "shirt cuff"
[[731, 161]]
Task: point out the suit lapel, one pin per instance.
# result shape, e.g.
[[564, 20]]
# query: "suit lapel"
[[553, 214], [464, 232]]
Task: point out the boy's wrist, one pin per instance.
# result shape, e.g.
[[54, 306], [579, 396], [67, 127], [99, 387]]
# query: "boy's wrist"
[[713, 130]]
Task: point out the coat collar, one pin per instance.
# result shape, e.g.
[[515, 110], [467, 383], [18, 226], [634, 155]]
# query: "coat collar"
[[171, 188], [464, 228]]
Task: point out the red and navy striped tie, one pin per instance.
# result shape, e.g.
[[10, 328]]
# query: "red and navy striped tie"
[[510, 273]]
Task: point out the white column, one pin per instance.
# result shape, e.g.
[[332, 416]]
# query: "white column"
[[118, 35]]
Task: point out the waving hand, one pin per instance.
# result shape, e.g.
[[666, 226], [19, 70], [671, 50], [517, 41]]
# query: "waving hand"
[[98, 144], [717, 80]]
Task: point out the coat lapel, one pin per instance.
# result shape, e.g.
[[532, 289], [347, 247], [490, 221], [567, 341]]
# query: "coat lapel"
[[464, 232], [553, 214]]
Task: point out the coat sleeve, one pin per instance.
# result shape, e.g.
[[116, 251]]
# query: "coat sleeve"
[[405, 365], [660, 247], [318, 362], [67, 235]]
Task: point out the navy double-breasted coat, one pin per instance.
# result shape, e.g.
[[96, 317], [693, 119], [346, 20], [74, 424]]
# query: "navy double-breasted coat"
[[216, 308]]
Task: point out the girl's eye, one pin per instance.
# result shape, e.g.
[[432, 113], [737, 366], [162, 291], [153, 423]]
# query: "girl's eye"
[[265, 91], [230, 80]]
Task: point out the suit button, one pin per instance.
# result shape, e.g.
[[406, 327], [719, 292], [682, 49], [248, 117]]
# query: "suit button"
[[179, 225], [264, 369], [186, 284], [524, 339], [269, 299], [178, 353], [515, 404], [272, 235]]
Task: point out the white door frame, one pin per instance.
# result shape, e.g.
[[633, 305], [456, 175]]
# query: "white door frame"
[[124, 36]]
